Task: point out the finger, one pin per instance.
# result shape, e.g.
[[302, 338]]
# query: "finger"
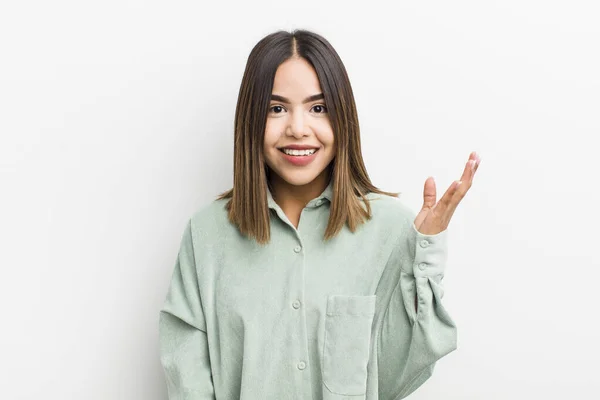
[[457, 196], [470, 167], [445, 202], [456, 192], [462, 189], [466, 179], [478, 161], [429, 193]]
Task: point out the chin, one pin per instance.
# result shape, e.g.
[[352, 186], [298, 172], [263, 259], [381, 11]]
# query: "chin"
[[299, 178]]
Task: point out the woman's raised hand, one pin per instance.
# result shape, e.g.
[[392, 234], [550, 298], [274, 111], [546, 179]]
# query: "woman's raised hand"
[[434, 218]]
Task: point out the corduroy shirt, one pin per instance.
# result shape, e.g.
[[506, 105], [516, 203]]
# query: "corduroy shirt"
[[358, 317]]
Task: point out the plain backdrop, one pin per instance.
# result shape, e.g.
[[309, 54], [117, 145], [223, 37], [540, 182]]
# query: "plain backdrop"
[[116, 123]]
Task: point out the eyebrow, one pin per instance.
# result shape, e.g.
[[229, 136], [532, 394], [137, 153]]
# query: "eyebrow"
[[314, 97]]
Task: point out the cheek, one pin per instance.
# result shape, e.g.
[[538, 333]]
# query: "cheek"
[[269, 138], [272, 133], [326, 137]]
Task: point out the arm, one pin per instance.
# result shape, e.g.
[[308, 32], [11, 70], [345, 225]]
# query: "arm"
[[183, 340], [416, 331]]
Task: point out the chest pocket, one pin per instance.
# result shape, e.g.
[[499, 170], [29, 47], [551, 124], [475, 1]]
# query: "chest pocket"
[[346, 345]]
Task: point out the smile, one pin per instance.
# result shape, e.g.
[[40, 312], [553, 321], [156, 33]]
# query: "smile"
[[299, 157], [292, 152]]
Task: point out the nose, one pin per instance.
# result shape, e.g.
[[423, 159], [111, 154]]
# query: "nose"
[[296, 126]]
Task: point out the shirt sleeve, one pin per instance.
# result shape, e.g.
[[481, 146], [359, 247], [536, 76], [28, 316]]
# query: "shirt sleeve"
[[416, 330], [183, 340]]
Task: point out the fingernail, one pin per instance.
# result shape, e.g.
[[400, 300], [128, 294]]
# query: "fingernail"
[[473, 163]]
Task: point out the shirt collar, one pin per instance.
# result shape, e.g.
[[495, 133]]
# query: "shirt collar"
[[326, 194]]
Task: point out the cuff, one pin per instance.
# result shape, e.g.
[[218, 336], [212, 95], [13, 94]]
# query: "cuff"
[[430, 254]]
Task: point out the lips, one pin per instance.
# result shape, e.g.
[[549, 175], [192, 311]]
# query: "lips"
[[309, 148], [300, 160], [298, 147]]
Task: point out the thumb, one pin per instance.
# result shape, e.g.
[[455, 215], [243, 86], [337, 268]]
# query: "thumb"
[[429, 193]]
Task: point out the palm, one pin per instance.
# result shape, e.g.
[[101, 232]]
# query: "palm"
[[433, 217]]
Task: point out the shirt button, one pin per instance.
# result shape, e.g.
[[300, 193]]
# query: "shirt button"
[[301, 365], [297, 249], [424, 243], [296, 304], [319, 202], [422, 266]]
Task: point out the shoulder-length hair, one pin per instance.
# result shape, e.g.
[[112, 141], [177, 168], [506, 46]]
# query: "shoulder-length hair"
[[247, 207]]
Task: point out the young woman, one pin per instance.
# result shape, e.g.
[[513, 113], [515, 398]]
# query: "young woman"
[[305, 281]]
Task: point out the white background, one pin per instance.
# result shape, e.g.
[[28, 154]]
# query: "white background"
[[116, 123]]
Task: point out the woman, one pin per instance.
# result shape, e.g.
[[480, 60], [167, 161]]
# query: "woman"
[[305, 281]]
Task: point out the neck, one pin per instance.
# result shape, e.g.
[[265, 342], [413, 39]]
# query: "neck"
[[288, 195]]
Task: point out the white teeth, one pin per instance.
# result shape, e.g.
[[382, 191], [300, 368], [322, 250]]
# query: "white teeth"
[[299, 152]]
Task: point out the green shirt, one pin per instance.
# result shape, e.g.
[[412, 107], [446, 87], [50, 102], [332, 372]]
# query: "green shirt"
[[301, 318]]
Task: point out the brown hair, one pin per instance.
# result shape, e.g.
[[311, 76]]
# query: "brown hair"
[[248, 208]]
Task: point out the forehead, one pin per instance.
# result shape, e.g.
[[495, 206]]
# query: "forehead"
[[296, 76]]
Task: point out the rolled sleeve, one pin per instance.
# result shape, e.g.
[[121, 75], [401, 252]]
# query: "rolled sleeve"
[[417, 329]]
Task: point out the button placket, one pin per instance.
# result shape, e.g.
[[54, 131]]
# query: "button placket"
[[296, 304]]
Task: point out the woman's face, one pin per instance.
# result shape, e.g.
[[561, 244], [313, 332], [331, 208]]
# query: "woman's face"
[[298, 116]]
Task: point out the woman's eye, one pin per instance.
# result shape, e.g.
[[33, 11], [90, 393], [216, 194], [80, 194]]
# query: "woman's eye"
[[276, 109], [320, 109]]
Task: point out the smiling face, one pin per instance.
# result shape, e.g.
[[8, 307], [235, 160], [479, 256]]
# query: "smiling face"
[[298, 116]]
